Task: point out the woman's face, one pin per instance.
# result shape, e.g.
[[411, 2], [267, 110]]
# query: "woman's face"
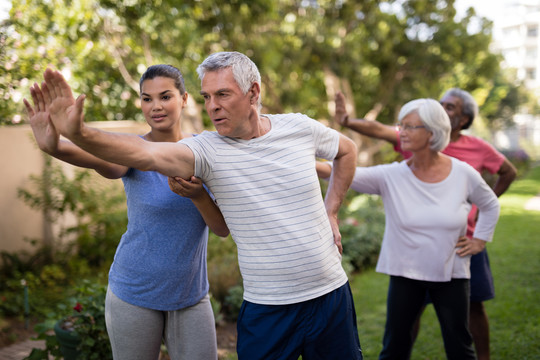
[[161, 102], [413, 134]]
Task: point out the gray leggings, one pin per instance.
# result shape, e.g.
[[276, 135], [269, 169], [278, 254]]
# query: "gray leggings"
[[136, 333]]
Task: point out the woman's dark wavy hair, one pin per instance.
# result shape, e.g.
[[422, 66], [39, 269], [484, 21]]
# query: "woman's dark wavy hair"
[[164, 70]]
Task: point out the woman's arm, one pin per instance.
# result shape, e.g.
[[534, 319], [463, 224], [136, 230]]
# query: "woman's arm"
[[48, 141], [324, 169], [66, 114], [210, 212], [488, 214]]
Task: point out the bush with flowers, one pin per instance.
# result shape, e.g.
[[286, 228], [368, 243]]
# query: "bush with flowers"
[[85, 318]]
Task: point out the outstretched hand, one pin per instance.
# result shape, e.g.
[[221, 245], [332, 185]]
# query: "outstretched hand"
[[65, 111], [44, 131], [341, 116], [192, 188]]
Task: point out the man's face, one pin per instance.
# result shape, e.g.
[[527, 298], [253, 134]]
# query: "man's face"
[[454, 107], [225, 103]]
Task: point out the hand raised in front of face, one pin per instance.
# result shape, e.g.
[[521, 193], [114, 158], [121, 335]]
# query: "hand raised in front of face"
[[66, 112], [44, 131]]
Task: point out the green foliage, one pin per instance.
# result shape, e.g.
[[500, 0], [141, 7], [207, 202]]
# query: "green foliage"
[[24, 261], [216, 310], [223, 270], [500, 98], [382, 51], [99, 211], [362, 228], [44, 287], [83, 250], [233, 302], [84, 314], [520, 159], [89, 322]]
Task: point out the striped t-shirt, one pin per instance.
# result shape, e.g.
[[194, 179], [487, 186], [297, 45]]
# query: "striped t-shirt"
[[269, 193]]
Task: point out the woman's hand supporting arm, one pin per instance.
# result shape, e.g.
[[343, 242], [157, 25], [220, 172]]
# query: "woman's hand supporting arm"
[[210, 212]]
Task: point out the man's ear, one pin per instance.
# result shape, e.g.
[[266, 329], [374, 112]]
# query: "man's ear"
[[255, 90]]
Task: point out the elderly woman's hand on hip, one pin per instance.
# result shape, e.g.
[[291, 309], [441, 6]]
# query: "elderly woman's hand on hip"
[[469, 246]]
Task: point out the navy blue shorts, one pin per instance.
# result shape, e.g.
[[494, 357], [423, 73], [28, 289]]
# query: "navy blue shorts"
[[482, 287], [319, 329]]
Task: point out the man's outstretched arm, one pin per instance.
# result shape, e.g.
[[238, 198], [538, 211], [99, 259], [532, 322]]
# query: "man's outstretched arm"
[[365, 127], [66, 112]]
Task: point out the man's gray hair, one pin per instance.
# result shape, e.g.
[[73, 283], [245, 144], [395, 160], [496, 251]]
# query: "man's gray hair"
[[433, 117], [244, 70], [469, 106]]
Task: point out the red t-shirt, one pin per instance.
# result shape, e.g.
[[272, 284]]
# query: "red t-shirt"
[[474, 151]]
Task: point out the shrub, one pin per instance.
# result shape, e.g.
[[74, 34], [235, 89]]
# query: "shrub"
[[233, 302], [520, 159], [84, 314], [99, 208], [216, 309], [362, 223], [223, 270]]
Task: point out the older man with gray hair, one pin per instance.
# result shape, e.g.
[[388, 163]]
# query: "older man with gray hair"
[[462, 110], [261, 170]]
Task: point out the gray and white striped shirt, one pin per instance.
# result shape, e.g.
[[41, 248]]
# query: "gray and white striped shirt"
[[269, 193]]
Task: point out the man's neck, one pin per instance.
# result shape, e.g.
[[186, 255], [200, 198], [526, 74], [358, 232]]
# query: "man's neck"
[[455, 135]]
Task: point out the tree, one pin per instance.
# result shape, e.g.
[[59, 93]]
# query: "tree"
[[382, 53]]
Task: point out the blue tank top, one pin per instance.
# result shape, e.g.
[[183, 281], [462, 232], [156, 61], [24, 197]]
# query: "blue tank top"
[[160, 262]]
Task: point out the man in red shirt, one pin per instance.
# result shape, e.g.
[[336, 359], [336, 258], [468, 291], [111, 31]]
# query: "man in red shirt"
[[461, 109]]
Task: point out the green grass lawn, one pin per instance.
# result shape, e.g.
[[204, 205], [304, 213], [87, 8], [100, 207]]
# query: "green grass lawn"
[[514, 313]]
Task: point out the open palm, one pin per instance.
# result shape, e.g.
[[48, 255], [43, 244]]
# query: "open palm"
[[65, 111], [44, 131]]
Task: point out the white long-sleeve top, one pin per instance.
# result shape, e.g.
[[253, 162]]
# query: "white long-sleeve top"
[[425, 220]]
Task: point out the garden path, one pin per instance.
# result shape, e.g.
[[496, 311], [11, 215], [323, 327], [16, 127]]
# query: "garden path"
[[533, 203], [19, 351]]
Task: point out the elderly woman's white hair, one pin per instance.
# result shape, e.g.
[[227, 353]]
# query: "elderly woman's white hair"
[[433, 117]]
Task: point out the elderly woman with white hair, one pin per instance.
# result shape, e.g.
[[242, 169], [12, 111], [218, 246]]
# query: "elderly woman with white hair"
[[427, 199]]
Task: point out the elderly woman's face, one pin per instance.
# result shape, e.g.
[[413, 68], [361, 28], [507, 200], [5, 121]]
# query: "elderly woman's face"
[[412, 133]]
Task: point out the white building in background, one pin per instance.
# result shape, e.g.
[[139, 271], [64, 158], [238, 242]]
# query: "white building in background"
[[516, 36]]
